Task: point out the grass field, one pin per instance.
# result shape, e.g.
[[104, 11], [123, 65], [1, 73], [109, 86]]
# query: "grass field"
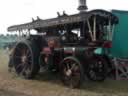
[[50, 85]]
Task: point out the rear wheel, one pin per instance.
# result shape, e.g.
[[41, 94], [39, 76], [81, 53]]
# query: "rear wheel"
[[71, 72], [25, 59]]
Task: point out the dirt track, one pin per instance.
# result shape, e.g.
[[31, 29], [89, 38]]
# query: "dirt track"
[[50, 85]]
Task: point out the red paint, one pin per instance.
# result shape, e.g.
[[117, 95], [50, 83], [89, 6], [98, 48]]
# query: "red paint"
[[107, 44], [46, 50]]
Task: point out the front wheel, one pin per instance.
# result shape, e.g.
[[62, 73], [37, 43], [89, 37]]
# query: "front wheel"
[[97, 69], [71, 72]]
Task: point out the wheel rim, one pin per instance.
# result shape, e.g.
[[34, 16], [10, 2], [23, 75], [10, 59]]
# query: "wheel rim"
[[96, 70], [71, 73], [22, 59]]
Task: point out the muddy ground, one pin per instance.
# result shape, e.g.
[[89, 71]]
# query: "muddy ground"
[[49, 85]]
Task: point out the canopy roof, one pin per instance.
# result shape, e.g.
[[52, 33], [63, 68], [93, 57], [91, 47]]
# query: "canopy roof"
[[62, 20]]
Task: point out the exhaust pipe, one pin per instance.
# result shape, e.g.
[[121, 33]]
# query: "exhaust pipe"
[[82, 6]]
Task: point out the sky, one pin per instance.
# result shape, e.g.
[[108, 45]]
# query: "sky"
[[21, 11]]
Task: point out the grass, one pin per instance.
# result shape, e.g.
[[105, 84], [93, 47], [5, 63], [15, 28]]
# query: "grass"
[[50, 85]]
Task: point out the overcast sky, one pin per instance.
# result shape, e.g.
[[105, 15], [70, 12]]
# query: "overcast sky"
[[21, 11]]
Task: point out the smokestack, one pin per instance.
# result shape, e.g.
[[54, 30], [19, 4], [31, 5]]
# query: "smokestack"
[[82, 6]]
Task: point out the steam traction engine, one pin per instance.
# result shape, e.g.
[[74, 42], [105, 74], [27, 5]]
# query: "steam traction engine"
[[66, 44]]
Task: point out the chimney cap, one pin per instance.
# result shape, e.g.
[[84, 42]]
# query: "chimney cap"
[[82, 5]]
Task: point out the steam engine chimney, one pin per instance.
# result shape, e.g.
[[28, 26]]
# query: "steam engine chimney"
[[82, 6]]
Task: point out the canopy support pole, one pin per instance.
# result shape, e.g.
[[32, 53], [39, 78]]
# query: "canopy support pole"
[[110, 31], [89, 27], [94, 29]]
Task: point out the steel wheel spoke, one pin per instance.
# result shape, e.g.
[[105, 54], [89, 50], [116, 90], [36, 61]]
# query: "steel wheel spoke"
[[24, 69], [19, 65], [73, 66], [67, 65], [17, 57], [28, 54]]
